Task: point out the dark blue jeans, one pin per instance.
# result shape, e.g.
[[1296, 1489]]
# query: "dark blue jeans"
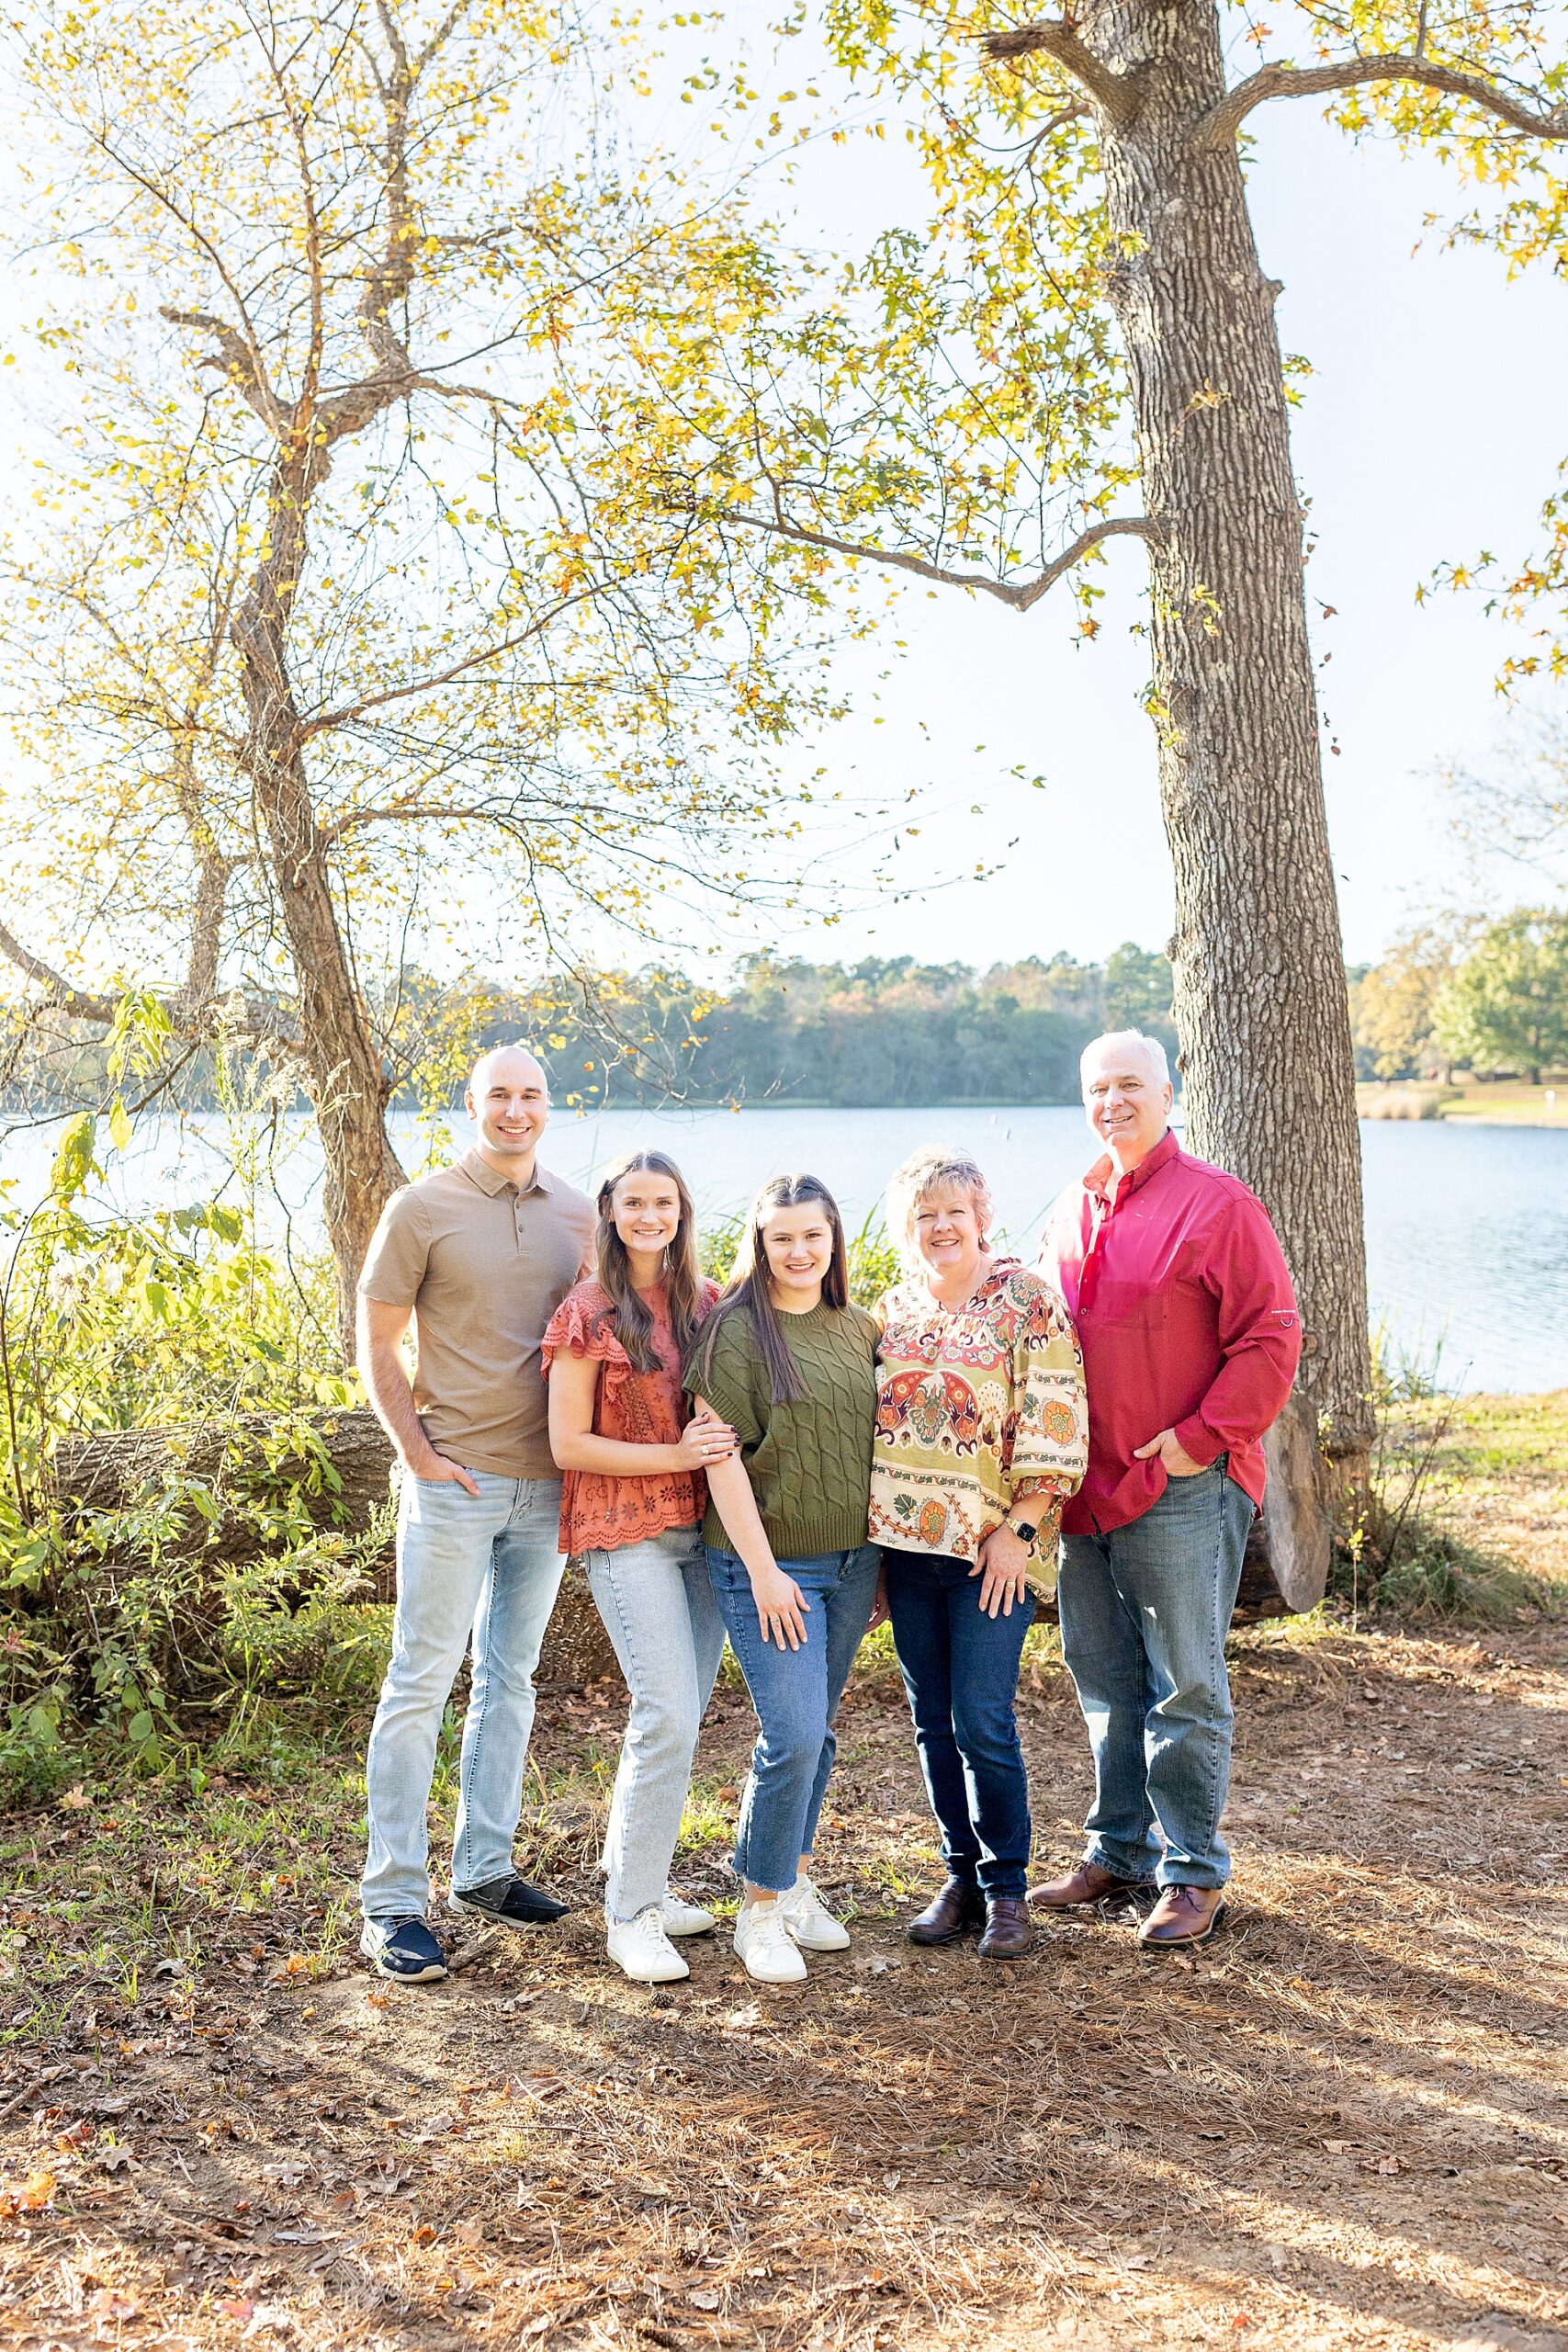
[[796, 1695], [1145, 1612], [960, 1669]]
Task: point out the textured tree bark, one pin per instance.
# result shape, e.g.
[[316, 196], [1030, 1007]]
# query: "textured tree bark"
[[110, 1469], [1260, 996], [344, 1071]]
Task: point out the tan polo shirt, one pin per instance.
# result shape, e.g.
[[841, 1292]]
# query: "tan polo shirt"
[[484, 1266]]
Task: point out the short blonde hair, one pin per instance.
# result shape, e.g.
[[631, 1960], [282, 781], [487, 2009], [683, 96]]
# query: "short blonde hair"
[[929, 1170]]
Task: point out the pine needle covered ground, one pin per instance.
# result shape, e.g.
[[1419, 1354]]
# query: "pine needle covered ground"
[[1343, 2124]]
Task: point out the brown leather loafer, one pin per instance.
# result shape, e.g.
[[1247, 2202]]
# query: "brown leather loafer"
[[1009, 1932], [1184, 1915], [957, 1908], [1089, 1883]]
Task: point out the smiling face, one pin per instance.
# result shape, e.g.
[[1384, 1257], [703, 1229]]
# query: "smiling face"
[[798, 1247], [1126, 1101], [508, 1099], [947, 1233], [645, 1208]]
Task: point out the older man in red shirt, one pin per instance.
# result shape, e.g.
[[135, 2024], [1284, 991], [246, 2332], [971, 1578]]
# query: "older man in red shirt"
[[1190, 1340]]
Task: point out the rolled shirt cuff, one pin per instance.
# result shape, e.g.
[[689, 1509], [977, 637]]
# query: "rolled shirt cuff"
[[1198, 1440]]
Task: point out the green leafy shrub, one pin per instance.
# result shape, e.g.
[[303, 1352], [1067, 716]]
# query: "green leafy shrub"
[[115, 1616]]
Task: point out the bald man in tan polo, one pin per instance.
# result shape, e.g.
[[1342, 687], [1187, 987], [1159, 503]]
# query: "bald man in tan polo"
[[480, 1256]]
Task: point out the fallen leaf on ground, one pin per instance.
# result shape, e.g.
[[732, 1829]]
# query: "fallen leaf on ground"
[[110, 2302], [32, 2197]]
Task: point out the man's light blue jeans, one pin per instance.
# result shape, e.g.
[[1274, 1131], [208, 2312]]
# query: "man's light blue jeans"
[[656, 1599], [1145, 1612], [490, 1568], [796, 1695]]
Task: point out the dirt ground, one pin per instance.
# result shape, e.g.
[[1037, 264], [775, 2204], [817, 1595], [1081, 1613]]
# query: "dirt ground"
[[1343, 2124]]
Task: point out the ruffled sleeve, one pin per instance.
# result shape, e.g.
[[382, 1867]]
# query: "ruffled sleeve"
[[582, 1326]]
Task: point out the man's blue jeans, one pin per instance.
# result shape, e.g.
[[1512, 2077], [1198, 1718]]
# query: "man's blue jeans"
[[796, 1695], [490, 1568], [1145, 1612], [960, 1668]]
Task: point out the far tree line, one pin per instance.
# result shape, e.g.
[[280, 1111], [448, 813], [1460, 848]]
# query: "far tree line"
[[1491, 998], [891, 1031]]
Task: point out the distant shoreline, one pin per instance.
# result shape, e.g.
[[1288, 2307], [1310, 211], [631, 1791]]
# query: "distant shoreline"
[[1505, 1104]]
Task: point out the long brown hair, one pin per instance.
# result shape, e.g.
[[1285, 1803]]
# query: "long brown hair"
[[748, 1288], [631, 1317]]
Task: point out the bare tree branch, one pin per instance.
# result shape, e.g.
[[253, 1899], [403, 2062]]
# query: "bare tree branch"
[[250, 1020], [324, 722], [236, 358], [58, 990], [1114, 94], [1530, 115], [1020, 597]]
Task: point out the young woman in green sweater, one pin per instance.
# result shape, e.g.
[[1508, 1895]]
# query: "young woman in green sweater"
[[789, 1365]]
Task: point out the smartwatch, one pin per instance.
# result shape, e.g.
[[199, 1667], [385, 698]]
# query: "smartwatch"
[[1024, 1528]]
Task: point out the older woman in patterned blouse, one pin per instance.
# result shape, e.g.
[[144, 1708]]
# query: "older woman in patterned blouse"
[[981, 1435]]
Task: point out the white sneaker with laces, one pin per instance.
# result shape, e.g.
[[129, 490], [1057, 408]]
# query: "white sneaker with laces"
[[809, 1921], [765, 1946], [642, 1951], [683, 1918]]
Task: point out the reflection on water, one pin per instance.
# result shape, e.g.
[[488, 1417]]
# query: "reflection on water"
[[1467, 1228]]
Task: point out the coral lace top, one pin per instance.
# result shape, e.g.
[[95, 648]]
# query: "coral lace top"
[[600, 1513]]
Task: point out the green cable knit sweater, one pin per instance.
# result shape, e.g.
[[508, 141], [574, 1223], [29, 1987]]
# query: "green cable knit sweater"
[[810, 1463]]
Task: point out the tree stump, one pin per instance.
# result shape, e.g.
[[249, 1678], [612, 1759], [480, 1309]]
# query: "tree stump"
[[106, 1470]]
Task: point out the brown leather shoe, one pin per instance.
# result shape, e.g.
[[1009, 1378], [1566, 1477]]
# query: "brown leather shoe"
[[957, 1908], [1090, 1883], [1184, 1915], [1010, 1931]]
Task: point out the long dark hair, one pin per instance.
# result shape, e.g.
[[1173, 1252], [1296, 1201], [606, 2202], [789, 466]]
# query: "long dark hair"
[[630, 1315], [747, 1289]]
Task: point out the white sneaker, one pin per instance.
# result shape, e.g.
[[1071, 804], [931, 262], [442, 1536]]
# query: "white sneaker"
[[683, 1918], [642, 1951], [809, 1921], [765, 1946]]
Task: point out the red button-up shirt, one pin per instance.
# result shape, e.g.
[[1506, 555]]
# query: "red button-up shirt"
[[1186, 1319]]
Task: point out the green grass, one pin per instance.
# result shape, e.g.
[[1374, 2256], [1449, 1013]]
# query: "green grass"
[[1470, 1509]]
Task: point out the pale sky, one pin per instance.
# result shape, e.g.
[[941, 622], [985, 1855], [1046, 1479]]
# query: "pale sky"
[[1433, 425]]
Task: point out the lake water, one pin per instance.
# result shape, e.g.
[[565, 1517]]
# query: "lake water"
[[1467, 1228]]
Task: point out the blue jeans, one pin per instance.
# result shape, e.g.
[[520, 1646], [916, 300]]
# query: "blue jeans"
[[1145, 1612], [657, 1602], [490, 1568], [796, 1695], [960, 1669]]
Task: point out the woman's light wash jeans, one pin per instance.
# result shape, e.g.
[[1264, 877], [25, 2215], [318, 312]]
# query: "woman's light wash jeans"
[[796, 1695], [492, 1567], [656, 1602], [1145, 1612]]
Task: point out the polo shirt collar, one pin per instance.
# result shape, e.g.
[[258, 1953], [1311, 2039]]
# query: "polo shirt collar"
[[480, 1171], [1164, 1152]]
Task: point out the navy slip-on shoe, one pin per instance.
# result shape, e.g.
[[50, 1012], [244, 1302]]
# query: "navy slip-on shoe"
[[509, 1903], [403, 1949]]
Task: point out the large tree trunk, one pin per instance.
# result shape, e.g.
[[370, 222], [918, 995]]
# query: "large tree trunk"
[[347, 1083], [1260, 994]]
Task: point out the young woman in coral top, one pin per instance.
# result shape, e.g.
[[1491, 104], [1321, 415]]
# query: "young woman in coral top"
[[633, 1494]]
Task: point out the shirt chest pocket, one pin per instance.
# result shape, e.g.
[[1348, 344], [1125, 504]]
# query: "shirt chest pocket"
[[1130, 1308]]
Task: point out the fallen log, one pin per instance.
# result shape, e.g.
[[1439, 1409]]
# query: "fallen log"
[[242, 1466]]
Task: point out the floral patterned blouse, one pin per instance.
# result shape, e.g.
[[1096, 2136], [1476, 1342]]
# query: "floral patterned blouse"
[[976, 1406], [600, 1513]]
